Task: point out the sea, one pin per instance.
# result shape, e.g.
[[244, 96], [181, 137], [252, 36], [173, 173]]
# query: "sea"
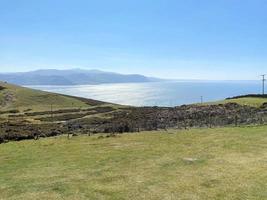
[[165, 93]]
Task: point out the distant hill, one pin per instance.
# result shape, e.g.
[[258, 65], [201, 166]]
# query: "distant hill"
[[71, 77]]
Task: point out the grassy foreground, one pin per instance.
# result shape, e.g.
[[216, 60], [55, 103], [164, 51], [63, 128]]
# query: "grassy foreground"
[[225, 163]]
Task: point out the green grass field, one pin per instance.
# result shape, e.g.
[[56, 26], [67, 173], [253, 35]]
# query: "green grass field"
[[224, 163], [248, 101]]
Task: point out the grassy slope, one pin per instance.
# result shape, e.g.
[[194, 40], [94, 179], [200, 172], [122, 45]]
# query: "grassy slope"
[[256, 102], [226, 163], [25, 98], [249, 101]]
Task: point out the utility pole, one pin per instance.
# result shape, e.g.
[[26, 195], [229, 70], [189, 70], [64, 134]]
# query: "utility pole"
[[263, 83]]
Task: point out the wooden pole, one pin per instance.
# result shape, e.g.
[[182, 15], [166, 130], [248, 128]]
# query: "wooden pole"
[[263, 83]]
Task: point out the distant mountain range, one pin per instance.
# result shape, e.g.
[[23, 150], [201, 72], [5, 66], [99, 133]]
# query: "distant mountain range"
[[71, 77]]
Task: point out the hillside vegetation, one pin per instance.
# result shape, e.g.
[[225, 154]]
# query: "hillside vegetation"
[[27, 114], [245, 100], [223, 163], [248, 101], [21, 98]]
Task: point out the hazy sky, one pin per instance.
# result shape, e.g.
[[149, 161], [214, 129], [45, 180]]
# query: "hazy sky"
[[200, 39]]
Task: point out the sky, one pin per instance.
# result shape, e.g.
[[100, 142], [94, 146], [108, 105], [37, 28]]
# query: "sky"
[[178, 39]]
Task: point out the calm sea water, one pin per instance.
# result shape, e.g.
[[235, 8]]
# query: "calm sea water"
[[159, 93]]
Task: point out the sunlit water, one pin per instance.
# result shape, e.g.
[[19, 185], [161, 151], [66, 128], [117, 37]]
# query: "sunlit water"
[[158, 93]]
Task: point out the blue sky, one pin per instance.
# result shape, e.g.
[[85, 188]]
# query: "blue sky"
[[198, 39]]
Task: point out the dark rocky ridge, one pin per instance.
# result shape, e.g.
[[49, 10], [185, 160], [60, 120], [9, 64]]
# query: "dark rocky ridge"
[[153, 118], [131, 119]]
